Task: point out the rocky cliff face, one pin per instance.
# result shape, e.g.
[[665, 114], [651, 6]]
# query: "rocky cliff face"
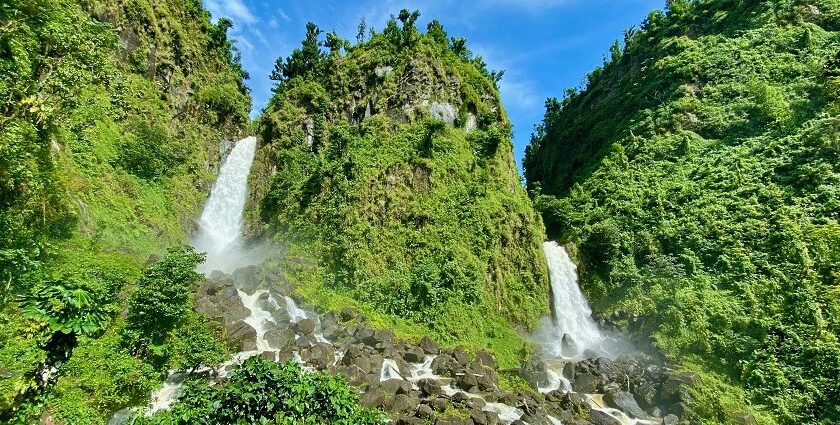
[[392, 159]]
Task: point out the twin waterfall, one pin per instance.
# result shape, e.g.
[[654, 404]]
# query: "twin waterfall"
[[221, 221]]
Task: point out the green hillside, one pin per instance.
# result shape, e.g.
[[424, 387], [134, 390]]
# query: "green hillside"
[[697, 174], [389, 163], [112, 115]]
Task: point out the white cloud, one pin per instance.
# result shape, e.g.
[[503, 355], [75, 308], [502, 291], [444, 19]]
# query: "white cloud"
[[519, 94], [284, 15], [236, 10]]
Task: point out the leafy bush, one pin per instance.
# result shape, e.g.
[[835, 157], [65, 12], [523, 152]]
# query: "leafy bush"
[[261, 391], [163, 299]]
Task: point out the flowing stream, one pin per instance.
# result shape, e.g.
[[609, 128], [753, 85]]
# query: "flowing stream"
[[221, 220]]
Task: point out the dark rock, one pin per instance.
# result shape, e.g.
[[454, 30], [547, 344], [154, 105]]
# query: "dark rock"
[[440, 404], [484, 358], [429, 346], [348, 314], [365, 336], [586, 383], [466, 381], [396, 386], [674, 382], [568, 346], [408, 420], [278, 338], [569, 371], [242, 336], [460, 397], [414, 355], [535, 372], [382, 338], [320, 355], [269, 355], [671, 420], [374, 398], [404, 403], [460, 355], [424, 411], [625, 402], [444, 365], [646, 394], [304, 327], [601, 418], [429, 387], [304, 341], [246, 278]]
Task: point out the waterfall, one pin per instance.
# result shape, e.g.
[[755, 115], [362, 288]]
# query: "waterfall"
[[221, 220], [571, 332]]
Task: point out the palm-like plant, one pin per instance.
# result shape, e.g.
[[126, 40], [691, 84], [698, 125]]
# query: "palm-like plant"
[[66, 307]]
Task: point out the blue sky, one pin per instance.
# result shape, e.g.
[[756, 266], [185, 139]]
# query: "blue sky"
[[544, 46]]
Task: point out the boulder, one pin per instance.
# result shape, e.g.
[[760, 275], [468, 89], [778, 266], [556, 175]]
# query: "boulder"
[[429, 387], [414, 355], [743, 418], [646, 394], [466, 381], [396, 386], [599, 417], [242, 336], [348, 314], [429, 346], [568, 346], [625, 402], [404, 403], [460, 355], [320, 355], [586, 383], [304, 327], [279, 338], [484, 358]]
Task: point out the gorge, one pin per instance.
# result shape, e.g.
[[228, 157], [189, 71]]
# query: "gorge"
[[368, 252]]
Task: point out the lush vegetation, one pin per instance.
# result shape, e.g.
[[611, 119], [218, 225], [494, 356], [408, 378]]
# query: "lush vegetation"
[[697, 175], [390, 161], [262, 392], [112, 113]]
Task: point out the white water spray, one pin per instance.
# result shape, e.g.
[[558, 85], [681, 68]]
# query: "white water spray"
[[571, 332], [221, 220]]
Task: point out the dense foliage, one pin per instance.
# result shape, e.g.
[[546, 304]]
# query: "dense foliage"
[[697, 174], [112, 114], [391, 159], [261, 391]]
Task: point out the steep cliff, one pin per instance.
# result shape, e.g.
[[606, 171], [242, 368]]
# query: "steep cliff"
[[391, 161], [697, 174]]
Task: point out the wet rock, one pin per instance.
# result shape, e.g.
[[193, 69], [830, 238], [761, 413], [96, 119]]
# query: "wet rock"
[[242, 336], [374, 398], [625, 402], [586, 383], [304, 327], [670, 420], [675, 381], [602, 418], [535, 372], [305, 341], [365, 336], [429, 387], [424, 411], [269, 355], [440, 404], [569, 371], [646, 394], [408, 420], [429, 346], [279, 338], [451, 421], [246, 278], [568, 346], [466, 381], [590, 354], [444, 365]]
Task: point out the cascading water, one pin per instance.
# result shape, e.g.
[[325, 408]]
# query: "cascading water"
[[221, 220], [571, 332]]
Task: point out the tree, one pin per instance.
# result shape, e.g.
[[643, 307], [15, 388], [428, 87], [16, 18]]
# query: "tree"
[[408, 20], [302, 62], [437, 33], [163, 298], [361, 31]]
